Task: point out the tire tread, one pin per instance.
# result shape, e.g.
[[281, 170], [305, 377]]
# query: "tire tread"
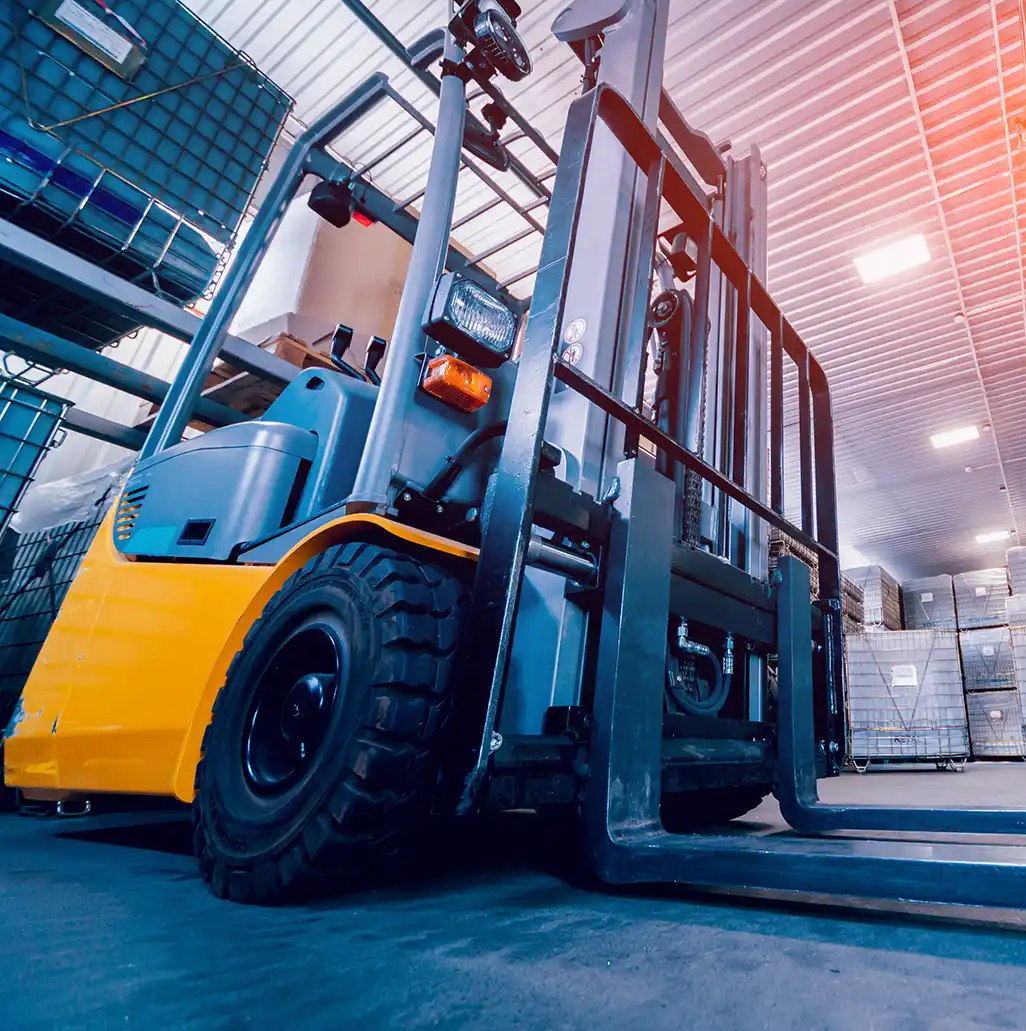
[[388, 777]]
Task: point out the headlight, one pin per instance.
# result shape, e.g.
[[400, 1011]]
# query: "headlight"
[[466, 319], [500, 43]]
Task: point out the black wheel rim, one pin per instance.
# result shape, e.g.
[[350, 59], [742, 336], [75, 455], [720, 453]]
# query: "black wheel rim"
[[293, 705]]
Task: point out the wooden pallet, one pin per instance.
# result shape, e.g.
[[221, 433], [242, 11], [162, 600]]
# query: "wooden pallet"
[[245, 392]]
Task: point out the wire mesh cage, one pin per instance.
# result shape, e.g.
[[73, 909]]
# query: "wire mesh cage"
[[905, 700], [980, 597], [194, 124], [1015, 559], [36, 570], [1018, 636], [987, 660], [29, 424], [928, 603], [996, 724], [147, 171]]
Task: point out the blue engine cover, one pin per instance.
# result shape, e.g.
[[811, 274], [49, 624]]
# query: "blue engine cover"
[[205, 497]]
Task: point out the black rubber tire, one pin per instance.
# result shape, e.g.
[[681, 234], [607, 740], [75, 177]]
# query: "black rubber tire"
[[8, 796], [373, 777], [688, 810]]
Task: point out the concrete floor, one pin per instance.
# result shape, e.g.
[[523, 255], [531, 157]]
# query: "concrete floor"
[[104, 924]]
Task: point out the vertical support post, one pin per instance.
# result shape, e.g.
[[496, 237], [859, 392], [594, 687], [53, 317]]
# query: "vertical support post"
[[826, 487], [631, 61], [756, 530], [509, 506], [699, 331], [777, 416], [741, 357], [387, 429], [805, 444], [631, 340], [626, 753], [833, 726]]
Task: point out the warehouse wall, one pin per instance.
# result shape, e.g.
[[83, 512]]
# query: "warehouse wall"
[[355, 276]]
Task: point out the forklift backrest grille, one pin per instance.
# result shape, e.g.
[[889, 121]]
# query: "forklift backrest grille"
[[665, 183]]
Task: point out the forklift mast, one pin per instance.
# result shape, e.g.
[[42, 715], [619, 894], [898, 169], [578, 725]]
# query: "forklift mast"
[[546, 664]]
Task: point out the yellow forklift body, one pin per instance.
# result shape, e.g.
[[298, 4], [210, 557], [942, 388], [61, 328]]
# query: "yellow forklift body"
[[122, 690]]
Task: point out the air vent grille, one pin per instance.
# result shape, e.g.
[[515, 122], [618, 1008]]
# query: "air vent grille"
[[129, 508]]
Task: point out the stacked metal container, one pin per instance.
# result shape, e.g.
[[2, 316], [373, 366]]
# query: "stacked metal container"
[[781, 545], [905, 700], [987, 660], [881, 596], [29, 425], [1018, 636], [1016, 603], [1015, 559], [929, 603], [133, 139], [853, 606], [996, 724], [981, 597], [36, 570], [992, 695], [990, 723]]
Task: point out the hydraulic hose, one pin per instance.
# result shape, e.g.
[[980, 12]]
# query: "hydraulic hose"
[[456, 463], [721, 680]]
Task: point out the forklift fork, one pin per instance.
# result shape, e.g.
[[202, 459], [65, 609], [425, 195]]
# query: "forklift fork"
[[626, 842]]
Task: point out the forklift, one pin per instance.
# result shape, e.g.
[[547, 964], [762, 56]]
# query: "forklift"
[[501, 578]]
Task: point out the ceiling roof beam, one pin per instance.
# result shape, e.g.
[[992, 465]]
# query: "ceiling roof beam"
[[949, 247]]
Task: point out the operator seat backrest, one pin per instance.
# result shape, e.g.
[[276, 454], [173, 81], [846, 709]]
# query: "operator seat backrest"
[[337, 409]]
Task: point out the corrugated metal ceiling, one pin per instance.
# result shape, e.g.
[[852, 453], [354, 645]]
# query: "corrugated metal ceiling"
[[876, 119]]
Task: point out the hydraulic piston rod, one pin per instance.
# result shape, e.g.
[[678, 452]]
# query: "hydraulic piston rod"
[[546, 555]]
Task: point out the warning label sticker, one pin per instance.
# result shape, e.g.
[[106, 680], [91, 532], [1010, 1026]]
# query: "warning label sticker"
[[904, 676], [102, 36]]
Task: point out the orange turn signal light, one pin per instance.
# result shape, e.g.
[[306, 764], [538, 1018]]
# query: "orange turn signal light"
[[457, 383]]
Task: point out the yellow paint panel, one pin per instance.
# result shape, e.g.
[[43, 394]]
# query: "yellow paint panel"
[[122, 689], [351, 527], [115, 684]]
